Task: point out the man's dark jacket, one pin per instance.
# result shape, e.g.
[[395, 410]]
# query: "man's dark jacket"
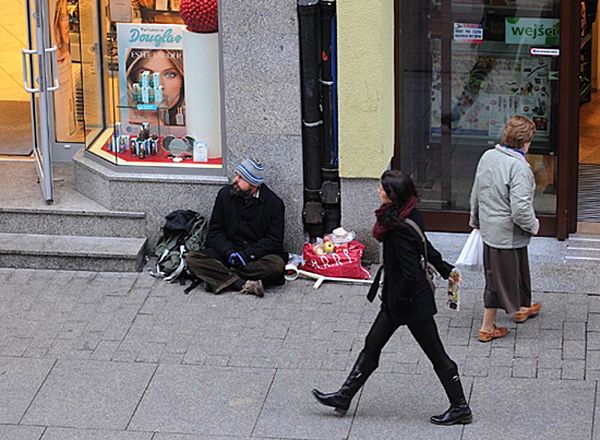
[[252, 226]]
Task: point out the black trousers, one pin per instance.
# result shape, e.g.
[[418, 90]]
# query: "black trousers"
[[425, 333], [218, 276]]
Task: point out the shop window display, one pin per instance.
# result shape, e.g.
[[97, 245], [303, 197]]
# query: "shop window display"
[[164, 76]]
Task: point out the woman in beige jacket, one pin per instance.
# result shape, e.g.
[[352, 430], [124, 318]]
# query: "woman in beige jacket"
[[502, 208]]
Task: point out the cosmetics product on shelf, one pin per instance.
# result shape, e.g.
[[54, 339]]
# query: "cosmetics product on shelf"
[[145, 130], [156, 80], [158, 94], [133, 146], [179, 118], [200, 151], [137, 92], [145, 94], [145, 81]]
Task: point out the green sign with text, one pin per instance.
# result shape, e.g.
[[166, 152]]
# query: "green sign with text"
[[532, 31]]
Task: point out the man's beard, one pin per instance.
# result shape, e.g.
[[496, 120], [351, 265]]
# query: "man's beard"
[[238, 192]]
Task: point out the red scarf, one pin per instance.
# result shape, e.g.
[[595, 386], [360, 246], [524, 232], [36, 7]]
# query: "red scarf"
[[380, 230]]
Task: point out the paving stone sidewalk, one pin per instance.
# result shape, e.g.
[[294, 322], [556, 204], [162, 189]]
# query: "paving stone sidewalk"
[[106, 356]]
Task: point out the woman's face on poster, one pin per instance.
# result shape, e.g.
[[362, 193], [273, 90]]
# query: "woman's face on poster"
[[170, 78]]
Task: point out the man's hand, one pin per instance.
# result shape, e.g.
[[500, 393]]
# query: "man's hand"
[[236, 260]]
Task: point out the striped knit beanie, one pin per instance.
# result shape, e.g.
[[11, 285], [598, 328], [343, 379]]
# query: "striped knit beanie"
[[252, 171]]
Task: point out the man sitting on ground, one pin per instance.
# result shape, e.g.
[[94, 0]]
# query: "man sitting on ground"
[[244, 246]]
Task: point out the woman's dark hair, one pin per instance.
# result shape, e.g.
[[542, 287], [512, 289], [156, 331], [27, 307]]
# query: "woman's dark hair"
[[399, 188]]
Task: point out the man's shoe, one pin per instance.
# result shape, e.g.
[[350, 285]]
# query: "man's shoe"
[[523, 315], [253, 287]]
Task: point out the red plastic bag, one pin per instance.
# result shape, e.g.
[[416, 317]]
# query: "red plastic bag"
[[344, 262]]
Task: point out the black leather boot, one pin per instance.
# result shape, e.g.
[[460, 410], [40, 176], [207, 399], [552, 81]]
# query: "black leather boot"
[[340, 400], [459, 411]]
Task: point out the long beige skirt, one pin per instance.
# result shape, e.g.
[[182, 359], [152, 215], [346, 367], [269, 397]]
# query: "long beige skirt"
[[507, 279]]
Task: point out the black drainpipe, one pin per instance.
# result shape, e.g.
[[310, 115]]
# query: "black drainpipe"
[[312, 124], [330, 190], [320, 158]]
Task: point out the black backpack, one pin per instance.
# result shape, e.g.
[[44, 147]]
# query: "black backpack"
[[184, 231]]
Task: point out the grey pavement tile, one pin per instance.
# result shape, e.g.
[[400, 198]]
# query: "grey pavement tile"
[[594, 304], [16, 346], [167, 436], [593, 340], [89, 394], [550, 339], [528, 330], [290, 411], [525, 367], [593, 322], [206, 400], [574, 331], [105, 350], [477, 366], [573, 369], [15, 432], [500, 372], [592, 374], [20, 380], [171, 359], [577, 312], [551, 358], [574, 350], [476, 348], [593, 360], [513, 409], [457, 336], [549, 373], [394, 406], [93, 434], [527, 348], [501, 356]]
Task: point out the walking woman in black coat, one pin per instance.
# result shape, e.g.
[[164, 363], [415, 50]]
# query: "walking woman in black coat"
[[407, 299]]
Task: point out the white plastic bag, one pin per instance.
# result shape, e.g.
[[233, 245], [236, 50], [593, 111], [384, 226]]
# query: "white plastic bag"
[[471, 257]]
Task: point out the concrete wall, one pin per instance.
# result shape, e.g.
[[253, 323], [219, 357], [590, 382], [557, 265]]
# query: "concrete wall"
[[261, 70]]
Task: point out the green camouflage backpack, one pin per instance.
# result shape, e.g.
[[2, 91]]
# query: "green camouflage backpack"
[[184, 231]]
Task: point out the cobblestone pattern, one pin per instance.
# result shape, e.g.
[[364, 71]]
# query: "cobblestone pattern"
[[135, 318]]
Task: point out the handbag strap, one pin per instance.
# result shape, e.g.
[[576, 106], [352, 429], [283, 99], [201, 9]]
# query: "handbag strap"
[[413, 225]]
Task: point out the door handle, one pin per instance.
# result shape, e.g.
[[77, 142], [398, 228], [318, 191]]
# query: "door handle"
[[53, 56], [24, 54]]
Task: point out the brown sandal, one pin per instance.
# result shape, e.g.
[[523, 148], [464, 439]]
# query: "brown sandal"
[[498, 332], [530, 312]]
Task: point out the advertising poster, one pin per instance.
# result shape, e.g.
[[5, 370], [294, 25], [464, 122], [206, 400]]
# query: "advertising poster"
[[151, 78], [488, 89]]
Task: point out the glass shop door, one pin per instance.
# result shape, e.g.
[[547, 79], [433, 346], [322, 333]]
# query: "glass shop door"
[[40, 80], [464, 67]]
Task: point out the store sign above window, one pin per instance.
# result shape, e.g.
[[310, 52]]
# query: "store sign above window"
[[468, 33], [532, 31]]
